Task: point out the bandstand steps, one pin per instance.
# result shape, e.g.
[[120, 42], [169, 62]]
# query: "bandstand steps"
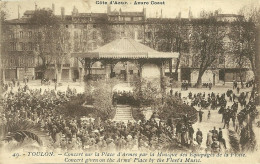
[[123, 114]]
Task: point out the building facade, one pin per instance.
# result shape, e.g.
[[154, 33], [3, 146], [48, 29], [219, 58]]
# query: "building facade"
[[88, 31]]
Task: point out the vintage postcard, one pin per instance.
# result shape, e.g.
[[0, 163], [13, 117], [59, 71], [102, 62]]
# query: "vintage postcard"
[[129, 81]]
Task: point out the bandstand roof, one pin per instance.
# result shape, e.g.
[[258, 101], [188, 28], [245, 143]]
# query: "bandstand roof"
[[125, 48]]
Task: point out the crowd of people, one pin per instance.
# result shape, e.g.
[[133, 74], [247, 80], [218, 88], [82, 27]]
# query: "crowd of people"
[[123, 97], [67, 133]]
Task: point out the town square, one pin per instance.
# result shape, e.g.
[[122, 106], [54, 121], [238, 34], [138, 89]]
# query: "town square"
[[78, 82]]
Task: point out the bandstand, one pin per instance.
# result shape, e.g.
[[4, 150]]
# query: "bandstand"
[[150, 63]]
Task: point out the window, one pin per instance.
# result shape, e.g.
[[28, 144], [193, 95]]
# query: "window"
[[122, 34], [30, 46], [21, 61], [135, 18], [76, 47], [136, 35], [94, 35], [122, 71], [187, 60], [40, 35], [94, 26], [221, 59], [12, 35], [12, 60], [30, 34], [131, 72], [20, 46], [11, 46], [149, 35], [21, 34], [75, 35], [139, 36], [94, 46], [67, 26], [24, 47], [127, 18], [85, 34]]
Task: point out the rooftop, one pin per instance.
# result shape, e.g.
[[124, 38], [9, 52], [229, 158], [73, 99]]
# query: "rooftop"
[[125, 48]]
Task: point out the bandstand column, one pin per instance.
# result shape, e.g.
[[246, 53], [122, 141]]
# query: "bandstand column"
[[127, 75], [162, 73], [88, 65], [140, 70], [70, 78], [170, 66], [111, 70], [162, 69], [106, 71], [179, 74], [17, 74]]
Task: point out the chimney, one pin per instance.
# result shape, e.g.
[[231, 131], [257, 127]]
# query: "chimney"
[[257, 59], [18, 11], [35, 6], [179, 16], [62, 13], [53, 8], [108, 8], [75, 11], [216, 12], [144, 13], [161, 13], [190, 14]]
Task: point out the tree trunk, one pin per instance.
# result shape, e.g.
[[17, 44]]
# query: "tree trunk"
[[199, 80], [3, 75], [241, 78], [58, 75], [82, 73], [44, 71], [178, 63], [58, 72], [257, 60], [254, 70]]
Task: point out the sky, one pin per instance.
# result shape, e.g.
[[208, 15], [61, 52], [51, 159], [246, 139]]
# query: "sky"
[[169, 10]]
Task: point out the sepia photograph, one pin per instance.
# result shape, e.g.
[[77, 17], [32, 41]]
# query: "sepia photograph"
[[129, 81]]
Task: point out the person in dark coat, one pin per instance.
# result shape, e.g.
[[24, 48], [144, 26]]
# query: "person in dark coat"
[[191, 132], [220, 134], [199, 137], [238, 89], [200, 115], [221, 139]]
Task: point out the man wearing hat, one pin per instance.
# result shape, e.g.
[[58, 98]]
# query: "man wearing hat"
[[199, 137]]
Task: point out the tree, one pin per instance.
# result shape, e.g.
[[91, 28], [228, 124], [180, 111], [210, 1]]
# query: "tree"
[[251, 20], [101, 94], [207, 44], [102, 34], [147, 93], [251, 13], [174, 38], [242, 46], [52, 40], [20, 131], [63, 49], [3, 12]]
